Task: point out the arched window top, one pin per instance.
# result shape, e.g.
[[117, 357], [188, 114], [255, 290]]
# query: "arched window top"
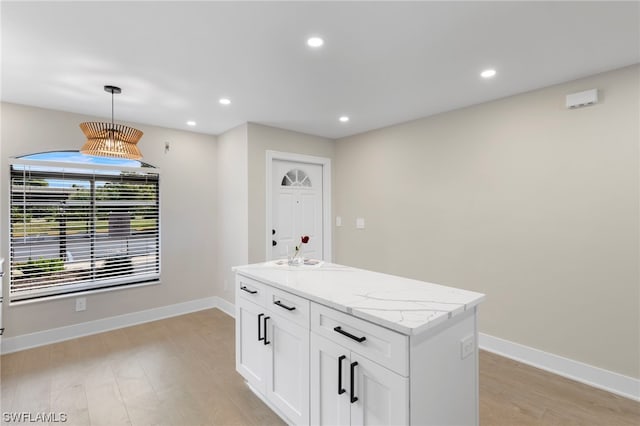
[[78, 158], [296, 177]]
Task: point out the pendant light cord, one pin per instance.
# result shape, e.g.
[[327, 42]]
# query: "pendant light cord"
[[112, 108]]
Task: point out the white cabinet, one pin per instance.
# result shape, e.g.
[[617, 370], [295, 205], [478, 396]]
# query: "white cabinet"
[[288, 369], [386, 347], [329, 386], [397, 380], [272, 347], [251, 352], [359, 371], [349, 389], [320, 361], [382, 396]]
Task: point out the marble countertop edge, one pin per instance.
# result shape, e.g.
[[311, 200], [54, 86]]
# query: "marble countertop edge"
[[307, 282]]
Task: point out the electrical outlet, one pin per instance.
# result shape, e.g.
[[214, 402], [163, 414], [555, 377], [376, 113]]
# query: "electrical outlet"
[[81, 304], [467, 346]]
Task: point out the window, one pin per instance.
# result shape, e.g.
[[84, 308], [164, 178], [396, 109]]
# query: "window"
[[91, 223], [296, 177]]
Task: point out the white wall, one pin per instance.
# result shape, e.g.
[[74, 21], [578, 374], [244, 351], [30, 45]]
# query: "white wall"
[[233, 230], [533, 204], [188, 206]]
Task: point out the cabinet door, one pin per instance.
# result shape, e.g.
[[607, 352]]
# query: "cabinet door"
[[251, 353], [329, 390], [288, 369], [383, 396]]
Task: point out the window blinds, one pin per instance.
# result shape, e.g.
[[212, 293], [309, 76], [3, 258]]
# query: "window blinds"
[[76, 229]]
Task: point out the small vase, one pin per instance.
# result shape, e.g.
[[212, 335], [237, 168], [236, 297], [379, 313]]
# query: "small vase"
[[295, 259]]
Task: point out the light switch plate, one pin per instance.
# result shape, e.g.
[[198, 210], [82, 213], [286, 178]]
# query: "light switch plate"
[[360, 223], [338, 220]]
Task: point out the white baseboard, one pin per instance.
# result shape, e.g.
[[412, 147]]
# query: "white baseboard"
[[45, 337], [609, 381], [226, 307]]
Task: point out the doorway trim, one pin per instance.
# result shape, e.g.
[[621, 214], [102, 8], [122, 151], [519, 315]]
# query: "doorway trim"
[[326, 197]]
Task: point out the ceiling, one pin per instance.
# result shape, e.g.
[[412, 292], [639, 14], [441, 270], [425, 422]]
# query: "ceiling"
[[382, 62]]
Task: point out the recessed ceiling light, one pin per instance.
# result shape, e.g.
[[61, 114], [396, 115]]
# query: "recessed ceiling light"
[[191, 123], [488, 73], [343, 119], [315, 42], [224, 101]]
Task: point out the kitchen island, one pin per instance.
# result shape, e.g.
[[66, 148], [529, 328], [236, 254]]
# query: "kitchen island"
[[330, 344]]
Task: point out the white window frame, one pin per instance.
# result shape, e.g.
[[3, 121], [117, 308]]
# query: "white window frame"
[[71, 290]]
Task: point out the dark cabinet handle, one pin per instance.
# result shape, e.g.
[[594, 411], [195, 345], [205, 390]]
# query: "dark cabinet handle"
[[282, 305], [264, 326], [349, 335], [244, 287], [340, 389], [259, 337], [1, 331], [354, 398], [274, 243]]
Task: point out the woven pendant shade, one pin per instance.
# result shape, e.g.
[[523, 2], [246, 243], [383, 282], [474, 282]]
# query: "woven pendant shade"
[[110, 139]]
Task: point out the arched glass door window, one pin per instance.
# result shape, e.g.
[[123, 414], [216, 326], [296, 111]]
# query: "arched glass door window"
[[296, 177]]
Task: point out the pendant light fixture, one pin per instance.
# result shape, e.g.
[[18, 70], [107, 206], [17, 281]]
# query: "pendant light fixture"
[[110, 139]]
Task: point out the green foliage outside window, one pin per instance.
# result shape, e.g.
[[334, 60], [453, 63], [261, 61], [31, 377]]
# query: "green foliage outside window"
[[40, 266]]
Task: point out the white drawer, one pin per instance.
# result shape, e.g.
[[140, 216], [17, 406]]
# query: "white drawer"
[[251, 290], [288, 306], [386, 347]]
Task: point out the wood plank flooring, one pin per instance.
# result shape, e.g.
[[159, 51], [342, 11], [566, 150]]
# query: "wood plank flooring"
[[181, 371], [512, 393]]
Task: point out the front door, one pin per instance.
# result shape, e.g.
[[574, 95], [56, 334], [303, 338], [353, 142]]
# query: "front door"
[[296, 208]]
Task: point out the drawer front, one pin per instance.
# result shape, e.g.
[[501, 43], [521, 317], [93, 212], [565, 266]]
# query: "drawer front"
[[251, 290], [379, 344], [288, 306]]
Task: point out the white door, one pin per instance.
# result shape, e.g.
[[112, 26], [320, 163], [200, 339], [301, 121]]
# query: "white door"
[[330, 403], [251, 353], [288, 370], [296, 208], [382, 394]]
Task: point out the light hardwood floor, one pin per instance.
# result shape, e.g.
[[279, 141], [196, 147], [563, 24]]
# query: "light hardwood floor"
[[181, 371]]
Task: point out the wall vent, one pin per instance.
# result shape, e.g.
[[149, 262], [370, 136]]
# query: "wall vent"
[[582, 99]]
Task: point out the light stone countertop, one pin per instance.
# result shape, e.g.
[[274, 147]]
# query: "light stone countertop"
[[401, 304]]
